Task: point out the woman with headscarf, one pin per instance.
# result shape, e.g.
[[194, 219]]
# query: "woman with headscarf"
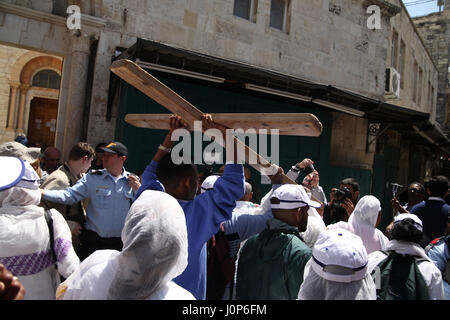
[[154, 252], [363, 222], [25, 235], [408, 239], [337, 269]]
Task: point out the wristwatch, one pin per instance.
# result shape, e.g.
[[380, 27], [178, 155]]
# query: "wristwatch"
[[296, 168], [161, 147]]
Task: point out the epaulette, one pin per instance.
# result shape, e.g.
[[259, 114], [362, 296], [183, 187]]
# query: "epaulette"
[[97, 172], [436, 242]]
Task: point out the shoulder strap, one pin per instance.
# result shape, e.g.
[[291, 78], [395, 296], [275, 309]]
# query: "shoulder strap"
[[49, 219]]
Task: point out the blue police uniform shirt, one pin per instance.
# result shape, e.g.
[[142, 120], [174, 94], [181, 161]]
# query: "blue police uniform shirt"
[[109, 200]]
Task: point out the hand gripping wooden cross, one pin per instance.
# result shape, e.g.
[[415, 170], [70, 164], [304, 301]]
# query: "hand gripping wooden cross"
[[297, 124]]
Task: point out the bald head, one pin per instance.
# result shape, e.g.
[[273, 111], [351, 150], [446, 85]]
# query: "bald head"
[[51, 158]]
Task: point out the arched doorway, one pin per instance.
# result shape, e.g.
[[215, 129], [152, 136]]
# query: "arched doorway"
[[43, 111], [33, 107]]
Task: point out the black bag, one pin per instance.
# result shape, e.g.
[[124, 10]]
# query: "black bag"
[[220, 266]]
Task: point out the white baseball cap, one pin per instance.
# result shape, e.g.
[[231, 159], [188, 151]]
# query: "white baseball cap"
[[208, 183], [292, 196], [17, 173], [339, 255], [417, 222]]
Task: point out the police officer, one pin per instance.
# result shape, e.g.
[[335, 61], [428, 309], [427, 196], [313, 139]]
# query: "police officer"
[[110, 192]]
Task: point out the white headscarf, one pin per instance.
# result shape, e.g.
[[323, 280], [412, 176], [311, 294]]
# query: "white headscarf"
[[154, 247], [155, 250], [362, 222], [365, 212], [25, 192]]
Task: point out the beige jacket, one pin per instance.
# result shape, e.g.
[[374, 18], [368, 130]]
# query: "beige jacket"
[[61, 179]]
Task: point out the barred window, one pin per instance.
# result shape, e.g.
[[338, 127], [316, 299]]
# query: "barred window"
[[46, 79]]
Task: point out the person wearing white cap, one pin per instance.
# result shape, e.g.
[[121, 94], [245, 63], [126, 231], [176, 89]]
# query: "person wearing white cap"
[[154, 252], [271, 263], [25, 248], [208, 183], [363, 222], [337, 269], [408, 240]]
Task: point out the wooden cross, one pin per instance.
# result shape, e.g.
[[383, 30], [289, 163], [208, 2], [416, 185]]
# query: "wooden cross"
[[298, 124]]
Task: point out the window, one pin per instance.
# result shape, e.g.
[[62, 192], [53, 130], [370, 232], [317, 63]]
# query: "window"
[[46, 79], [245, 9], [402, 63], [432, 98], [279, 14], [420, 87], [394, 49], [429, 95], [414, 88]]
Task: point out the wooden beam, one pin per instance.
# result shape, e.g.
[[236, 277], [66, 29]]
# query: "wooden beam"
[[291, 124]]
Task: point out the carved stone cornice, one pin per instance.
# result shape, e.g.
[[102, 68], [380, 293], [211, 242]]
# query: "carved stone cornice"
[[388, 9]]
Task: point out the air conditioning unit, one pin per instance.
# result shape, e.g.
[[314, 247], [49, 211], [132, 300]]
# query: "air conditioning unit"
[[392, 83]]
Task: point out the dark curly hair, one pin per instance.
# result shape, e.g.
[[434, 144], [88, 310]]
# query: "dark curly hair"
[[406, 230]]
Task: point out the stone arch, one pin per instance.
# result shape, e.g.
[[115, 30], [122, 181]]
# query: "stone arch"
[[37, 64], [18, 65], [22, 92]]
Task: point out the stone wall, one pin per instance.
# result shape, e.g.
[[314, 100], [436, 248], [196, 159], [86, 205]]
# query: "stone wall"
[[8, 57], [415, 52], [436, 36], [321, 44]]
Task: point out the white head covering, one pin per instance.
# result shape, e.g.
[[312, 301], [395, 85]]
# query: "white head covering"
[[314, 228], [154, 247], [16, 149], [314, 287], [292, 196], [19, 183], [337, 269], [362, 223], [339, 255], [208, 183], [366, 211], [417, 222]]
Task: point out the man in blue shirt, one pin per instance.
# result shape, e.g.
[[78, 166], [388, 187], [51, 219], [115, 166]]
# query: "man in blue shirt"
[[110, 192], [204, 213], [434, 212]]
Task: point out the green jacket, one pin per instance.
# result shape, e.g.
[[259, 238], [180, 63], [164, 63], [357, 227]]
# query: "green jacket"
[[271, 264]]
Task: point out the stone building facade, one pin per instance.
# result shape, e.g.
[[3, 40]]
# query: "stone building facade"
[[322, 41], [319, 41], [408, 54], [435, 33]]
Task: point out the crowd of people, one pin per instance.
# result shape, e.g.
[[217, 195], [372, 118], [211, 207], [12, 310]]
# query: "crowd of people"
[[87, 228]]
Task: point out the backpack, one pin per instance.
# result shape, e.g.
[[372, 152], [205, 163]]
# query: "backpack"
[[220, 266], [398, 278]]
